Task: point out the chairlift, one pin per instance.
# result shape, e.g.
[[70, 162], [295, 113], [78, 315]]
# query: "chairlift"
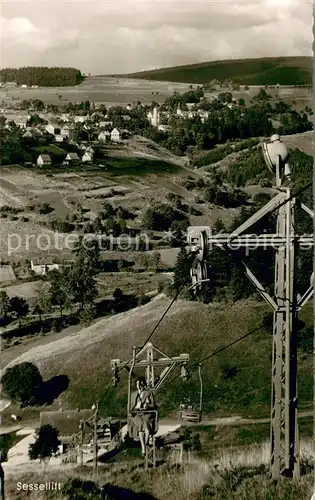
[[191, 411]]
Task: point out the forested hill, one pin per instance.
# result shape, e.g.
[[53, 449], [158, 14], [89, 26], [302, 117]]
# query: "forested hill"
[[264, 71], [42, 76]]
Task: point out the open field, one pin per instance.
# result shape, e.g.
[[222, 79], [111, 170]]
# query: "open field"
[[100, 90], [198, 329], [123, 91], [270, 71], [140, 173]]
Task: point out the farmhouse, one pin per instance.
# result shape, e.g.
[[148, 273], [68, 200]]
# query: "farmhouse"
[[71, 158], [43, 159], [88, 157], [104, 124], [65, 131], [59, 138], [103, 136], [52, 129], [69, 424], [80, 119], [164, 128], [41, 267], [21, 121]]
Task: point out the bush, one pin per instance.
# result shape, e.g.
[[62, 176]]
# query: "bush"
[[46, 443], [45, 209]]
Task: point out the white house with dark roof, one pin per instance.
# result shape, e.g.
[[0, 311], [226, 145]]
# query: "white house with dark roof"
[[52, 128], [115, 135], [88, 156], [41, 267], [65, 131], [71, 158], [80, 119], [43, 159]]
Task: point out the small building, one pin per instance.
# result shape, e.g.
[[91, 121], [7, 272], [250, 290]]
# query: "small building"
[[80, 119], [27, 135], [115, 135], [21, 121], [71, 158], [105, 123], [88, 157], [103, 136], [43, 160], [41, 267], [65, 131], [164, 128], [59, 138], [69, 423], [52, 129]]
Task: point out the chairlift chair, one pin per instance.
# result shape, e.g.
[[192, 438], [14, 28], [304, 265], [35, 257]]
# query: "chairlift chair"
[[192, 412]]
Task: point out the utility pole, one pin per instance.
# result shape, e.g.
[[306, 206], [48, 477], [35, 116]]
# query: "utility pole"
[[285, 455], [95, 447]]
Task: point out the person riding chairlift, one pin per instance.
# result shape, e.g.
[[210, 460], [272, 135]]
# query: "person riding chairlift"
[[144, 423]]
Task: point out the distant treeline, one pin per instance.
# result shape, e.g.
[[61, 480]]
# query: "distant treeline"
[[42, 76]]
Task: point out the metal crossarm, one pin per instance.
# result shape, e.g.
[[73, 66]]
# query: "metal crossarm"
[[285, 305]]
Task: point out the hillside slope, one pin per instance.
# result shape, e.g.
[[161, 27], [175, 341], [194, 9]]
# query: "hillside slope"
[[264, 71], [235, 381]]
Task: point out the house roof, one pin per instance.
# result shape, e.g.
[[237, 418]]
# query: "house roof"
[[7, 273], [45, 157], [67, 422], [72, 156]]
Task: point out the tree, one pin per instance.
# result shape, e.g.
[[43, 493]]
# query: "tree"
[[118, 294], [46, 443], [38, 310], [87, 314], [43, 300], [4, 304], [22, 383], [83, 284], [60, 289], [19, 307], [182, 269]]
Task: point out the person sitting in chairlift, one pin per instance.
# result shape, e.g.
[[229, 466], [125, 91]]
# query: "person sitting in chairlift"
[[143, 400]]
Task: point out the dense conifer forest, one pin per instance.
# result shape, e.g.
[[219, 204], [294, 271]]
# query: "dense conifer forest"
[[42, 76]]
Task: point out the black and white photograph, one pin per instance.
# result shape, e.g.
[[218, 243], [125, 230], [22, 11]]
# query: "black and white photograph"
[[157, 300]]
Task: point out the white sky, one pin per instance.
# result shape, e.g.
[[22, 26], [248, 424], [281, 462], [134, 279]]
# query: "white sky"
[[120, 36]]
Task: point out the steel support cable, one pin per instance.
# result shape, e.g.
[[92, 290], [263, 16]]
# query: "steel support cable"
[[149, 337], [182, 287], [215, 353]]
